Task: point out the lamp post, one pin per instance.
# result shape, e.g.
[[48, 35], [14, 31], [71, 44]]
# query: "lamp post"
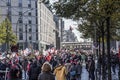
[[19, 18], [7, 38], [26, 35]]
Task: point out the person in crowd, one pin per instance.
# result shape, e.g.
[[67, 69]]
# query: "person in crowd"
[[24, 66], [46, 73], [34, 71], [73, 71], [91, 68], [78, 70], [60, 71], [99, 64], [86, 62], [68, 65], [53, 61], [3, 67], [113, 63], [15, 71]]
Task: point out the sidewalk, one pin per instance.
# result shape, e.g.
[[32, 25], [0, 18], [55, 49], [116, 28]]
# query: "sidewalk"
[[84, 75]]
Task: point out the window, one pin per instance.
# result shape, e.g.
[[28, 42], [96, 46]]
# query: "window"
[[20, 30], [29, 5], [36, 36], [30, 38], [29, 13], [29, 21], [36, 30], [20, 13], [20, 45], [20, 25], [20, 3], [30, 30], [21, 36], [20, 21], [8, 4]]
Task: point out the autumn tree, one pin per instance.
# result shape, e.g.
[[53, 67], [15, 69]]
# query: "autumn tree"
[[2, 32], [7, 35]]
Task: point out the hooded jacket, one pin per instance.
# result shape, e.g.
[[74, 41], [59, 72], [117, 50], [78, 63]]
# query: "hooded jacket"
[[60, 72]]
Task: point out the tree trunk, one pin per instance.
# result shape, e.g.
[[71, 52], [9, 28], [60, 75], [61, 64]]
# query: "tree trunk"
[[103, 55], [99, 55], [108, 47]]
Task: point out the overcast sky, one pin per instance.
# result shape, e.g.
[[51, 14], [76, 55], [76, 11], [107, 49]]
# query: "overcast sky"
[[73, 24]]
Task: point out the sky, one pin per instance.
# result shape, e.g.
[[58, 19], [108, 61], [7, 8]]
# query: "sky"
[[73, 24]]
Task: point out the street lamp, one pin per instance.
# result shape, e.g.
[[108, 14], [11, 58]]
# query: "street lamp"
[[26, 35], [20, 18]]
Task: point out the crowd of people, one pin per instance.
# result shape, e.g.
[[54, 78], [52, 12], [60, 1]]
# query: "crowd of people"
[[62, 65]]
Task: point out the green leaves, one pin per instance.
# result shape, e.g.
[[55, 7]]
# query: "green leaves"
[[6, 33], [2, 32], [92, 13]]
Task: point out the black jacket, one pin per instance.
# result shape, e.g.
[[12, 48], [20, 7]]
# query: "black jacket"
[[92, 66], [46, 76], [34, 72]]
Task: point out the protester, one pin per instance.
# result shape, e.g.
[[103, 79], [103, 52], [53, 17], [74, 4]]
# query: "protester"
[[3, 67], [34, 71], [78, 70], [24, 65], [46, 73], [15, 72], [114, 61], [60, 71], [73, 71], [68, 65], [91, 68]]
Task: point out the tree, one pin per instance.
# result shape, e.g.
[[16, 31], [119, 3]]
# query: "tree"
[[11, 37], [2, 32], [7, 36], [88, 10], [104, 14]]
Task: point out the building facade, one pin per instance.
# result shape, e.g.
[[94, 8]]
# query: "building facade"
[[46, 27], [78, 45], [59, 30], [22, 14], [31, 21]]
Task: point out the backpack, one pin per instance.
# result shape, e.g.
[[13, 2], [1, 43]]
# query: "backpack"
[[73, 71]]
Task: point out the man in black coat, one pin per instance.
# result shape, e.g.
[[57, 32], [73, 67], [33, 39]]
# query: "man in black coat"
[[34, 71], [91, 69]]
